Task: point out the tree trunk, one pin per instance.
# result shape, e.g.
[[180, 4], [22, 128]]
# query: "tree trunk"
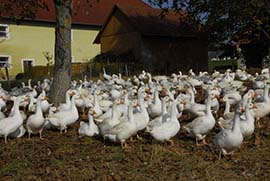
[[62, 51]]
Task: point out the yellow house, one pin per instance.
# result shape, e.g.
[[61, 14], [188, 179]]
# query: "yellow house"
[[27, 43], [24, 45]]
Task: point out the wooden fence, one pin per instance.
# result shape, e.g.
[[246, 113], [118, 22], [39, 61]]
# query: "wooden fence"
[[47, 71]]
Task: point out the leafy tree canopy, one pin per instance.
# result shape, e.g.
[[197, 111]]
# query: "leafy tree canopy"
[[226, 20]]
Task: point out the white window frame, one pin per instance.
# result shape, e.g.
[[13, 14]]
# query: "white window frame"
[[27, 59], [6, 31], [9, 60], [71, 34], [72, 59]]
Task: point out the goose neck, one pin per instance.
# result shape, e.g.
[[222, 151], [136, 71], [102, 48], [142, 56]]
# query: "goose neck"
[[192, 97], [67, 97], [248, 115], [227, 107], [130, 114], [208, 106], [266, 94], [173, 111], [38, 107], [236, 122]]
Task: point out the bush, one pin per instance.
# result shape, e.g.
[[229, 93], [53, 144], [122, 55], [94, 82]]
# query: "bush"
[[19, 76]]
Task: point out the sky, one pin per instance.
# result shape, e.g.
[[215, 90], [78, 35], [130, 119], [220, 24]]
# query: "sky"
[[165, 5]]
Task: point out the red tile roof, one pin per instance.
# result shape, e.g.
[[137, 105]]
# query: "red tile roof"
[[92, 13]]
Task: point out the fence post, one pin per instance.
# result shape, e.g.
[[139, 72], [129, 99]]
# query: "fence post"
[[90, 70], [126, 69]]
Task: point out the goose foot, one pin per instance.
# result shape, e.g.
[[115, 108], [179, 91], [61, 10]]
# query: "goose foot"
[[171, 142], [131, 139], [81, 136], [204, 142], [139, 138], [124, 145]]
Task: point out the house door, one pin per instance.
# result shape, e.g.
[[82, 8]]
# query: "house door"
[[27, 66]]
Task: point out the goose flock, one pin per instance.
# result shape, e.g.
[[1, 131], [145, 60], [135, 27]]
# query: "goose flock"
[[118, 109]]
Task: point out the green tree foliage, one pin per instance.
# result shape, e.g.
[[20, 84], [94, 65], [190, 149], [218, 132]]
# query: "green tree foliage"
[[242, 21]]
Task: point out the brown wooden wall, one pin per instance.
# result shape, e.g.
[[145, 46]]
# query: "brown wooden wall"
[[168, 55], [157, 54], [119, 36]]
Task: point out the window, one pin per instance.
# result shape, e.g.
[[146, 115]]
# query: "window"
[[27, 64], [5, 61], [4, 31]]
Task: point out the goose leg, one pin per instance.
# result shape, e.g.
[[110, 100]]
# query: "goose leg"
[[5, 139], [219, 155], [29, 135], [138, 137], [258, 124], [40, 135], [196, 140], [122, 144]]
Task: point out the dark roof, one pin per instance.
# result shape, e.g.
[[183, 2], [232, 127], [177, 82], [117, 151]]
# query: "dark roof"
[[85, 12], [153, 22]]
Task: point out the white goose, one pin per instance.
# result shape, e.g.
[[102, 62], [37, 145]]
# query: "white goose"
[[106, 76], [62, 119], [11, 124], [155, 109], [227, 140], [168, 129], [263, 108], [109, 123], [65, 106], [36, 121], [45, 105], [96, 109], [124, 130], [200, 126], [162, 118], [88, 129], [247, 126], [141, 118]]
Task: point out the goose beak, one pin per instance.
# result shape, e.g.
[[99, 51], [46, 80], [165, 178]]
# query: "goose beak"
[[147, 91], [147, 97], [221, 100], [254, 106], [242, 110], [254, 95], [46, 98], [72, 93], [94, 113]]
